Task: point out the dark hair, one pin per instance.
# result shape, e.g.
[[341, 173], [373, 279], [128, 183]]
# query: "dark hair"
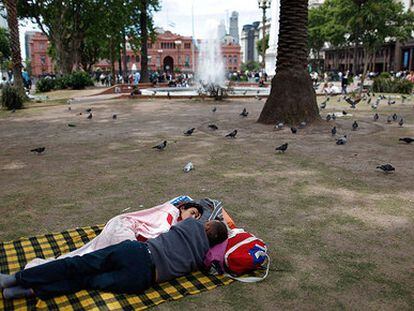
[[187, 205], [218, 233]]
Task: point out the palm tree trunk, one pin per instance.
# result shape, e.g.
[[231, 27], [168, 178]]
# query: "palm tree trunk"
[[292, 98], [15, 44], [143, 22]]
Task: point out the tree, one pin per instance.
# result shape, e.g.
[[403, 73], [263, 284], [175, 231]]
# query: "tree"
[[317, 31], [292, 98], [259, 44], [368, 24], [5, 52], [15, 44]]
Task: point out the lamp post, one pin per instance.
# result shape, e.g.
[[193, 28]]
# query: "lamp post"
[[264, 5], [178, 45]]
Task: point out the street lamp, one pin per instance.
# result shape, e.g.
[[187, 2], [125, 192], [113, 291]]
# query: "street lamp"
[[264, 5]]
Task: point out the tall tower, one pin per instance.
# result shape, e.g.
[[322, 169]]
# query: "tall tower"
[[234, 26], [221, 30]]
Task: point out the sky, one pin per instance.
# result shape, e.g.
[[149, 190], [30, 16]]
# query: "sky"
[[175, 15]]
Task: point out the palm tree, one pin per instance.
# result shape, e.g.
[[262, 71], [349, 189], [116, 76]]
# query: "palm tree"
[[15, 43], [292, 98], [143, 21]]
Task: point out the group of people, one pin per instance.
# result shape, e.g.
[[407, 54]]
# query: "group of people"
[[133, 252]]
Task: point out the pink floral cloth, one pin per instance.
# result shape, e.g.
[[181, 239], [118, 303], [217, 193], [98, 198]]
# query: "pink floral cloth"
[[140, 225]]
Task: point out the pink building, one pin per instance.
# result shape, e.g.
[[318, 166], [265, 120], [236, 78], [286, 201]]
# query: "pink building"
[[41, 63]]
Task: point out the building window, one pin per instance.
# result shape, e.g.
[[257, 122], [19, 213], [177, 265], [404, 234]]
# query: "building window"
[[43, 60], [187, 61], [167, 45], [128, 58], [235, 59], [137, 58], [41, 46], [187, 46], [149, 45]]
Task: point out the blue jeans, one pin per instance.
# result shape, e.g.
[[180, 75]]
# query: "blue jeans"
[[126, 267]]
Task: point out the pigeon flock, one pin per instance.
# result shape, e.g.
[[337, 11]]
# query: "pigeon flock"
[[343, 139]]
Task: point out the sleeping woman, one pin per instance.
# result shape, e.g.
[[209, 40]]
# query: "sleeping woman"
[[140, 225]]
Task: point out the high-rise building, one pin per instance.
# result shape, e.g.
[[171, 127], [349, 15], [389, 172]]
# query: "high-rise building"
[[221, 31], [234, 26], [28, 35], [248, 42]]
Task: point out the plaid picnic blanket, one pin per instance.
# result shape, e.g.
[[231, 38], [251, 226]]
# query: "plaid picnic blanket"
[[15, 254]]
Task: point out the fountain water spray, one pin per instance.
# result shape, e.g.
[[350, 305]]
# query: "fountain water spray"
[[210, 69]]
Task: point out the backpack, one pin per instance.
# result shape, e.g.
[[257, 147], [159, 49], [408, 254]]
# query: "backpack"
[[245, 253]]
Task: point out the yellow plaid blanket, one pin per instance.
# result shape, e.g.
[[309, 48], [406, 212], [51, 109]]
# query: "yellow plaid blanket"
[[15, 254]]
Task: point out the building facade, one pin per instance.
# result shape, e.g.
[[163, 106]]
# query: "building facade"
[[168, 53], [41, 63], [248, 42], [3, 20], [28, 35], [234, 26]]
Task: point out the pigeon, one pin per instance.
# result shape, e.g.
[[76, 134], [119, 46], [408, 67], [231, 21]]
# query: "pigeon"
[[14, 110], [245, 92], [353, 103], [323, 105], [302, 125], [232, 134], [376, 117], [328, 117], [258, 97], [168, 95], [333, 131], [214, 109], [394, 117], [88, 110], [189, 132], [213, 126], [333, 117], [355, 126], [407, 140], [403, 98], [279, 126], [161, 146], [114, 117], [386, 168], [344, 112], [369, 101], [71, 125], [90, 116], [282, 148], [38, 150], [244, 113], [294, 130], [70, 108], [154, 93], [391, 102], [342, 140], [401, 123], [389, 119]]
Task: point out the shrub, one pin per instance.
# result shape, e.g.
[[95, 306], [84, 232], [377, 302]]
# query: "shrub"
[[62, 83], [385, 85], [45, 84], [10, 98], [79, 80], [385, 75]]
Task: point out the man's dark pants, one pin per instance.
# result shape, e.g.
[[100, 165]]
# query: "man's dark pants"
[[126, 267]]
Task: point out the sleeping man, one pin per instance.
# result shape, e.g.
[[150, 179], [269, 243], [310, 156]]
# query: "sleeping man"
[[127, 267]]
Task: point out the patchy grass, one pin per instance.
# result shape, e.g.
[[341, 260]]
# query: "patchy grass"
[[339, 232]]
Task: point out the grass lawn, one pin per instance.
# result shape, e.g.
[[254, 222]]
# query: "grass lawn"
[[340, 233]]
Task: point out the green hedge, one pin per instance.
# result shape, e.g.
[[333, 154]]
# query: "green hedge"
[[77, 80], [10, 98], [387, 85]]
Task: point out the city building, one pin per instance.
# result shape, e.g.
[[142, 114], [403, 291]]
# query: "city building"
[[234, 26], [393, 56], [41, 63], [28, 35], [169, 52], [248, 42], [221, 31]]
